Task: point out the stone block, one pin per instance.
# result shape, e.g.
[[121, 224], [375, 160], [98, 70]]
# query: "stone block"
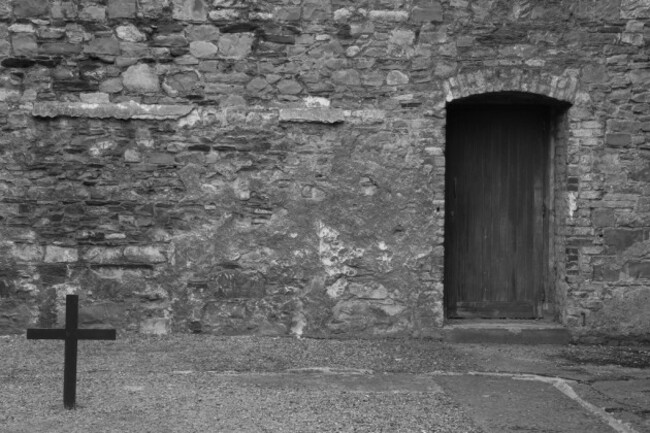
[[235, 45], [172, 41], [618, 140], [396, 78], [625, 312], [16, 316], [141, 78], [103, 313], [359, 316], [389, 16], [638, 269], [5, 9], [312, 115], [605, 273], [24, 44], [603, 217], [121, 9], [103, 47], [93, 13], [618, 240], [203, 49], [203, 32], [155, 326], [370, 290], [347, 77], [287, 13], [595, 74], [112, 85], [123, 110], [31, 8], [182, 83], [427, 11], [257, 316], [190, 10], [225, 15], [59, 48], [130, 33], [103, 255], [27, 252], [56, 254], [144, 254], [635, 9], [289, 87]]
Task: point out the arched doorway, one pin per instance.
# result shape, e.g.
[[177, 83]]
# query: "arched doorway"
[[498, 194]]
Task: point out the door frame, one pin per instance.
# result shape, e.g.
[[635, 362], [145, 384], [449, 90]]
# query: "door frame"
[[556, 174]]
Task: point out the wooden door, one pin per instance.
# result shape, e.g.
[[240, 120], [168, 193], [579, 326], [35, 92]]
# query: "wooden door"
[[495, 227]]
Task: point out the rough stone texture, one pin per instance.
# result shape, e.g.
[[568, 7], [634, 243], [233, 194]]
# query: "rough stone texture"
[[141, 78], [278, 168], [105, 110], [190, 10], [30, 8], [121, 8]]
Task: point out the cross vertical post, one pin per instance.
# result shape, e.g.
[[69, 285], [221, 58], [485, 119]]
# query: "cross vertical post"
[[70, 361], [71, 334]]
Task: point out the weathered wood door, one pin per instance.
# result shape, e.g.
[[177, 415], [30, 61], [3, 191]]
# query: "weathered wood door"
[[495, 226]]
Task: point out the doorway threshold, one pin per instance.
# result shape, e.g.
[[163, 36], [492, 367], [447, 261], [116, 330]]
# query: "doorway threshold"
[[489, 331]]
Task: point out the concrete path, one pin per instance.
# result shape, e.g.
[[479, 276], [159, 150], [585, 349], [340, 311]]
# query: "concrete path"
[[499, 403]]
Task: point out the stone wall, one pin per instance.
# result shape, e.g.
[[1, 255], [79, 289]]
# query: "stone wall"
[[235, 166]]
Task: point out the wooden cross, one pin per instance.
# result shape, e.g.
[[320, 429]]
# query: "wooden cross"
[[70, 334]]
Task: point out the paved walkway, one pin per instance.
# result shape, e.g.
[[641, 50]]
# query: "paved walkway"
[[496, 402]]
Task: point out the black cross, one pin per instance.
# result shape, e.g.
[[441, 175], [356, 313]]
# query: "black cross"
[[70, 334]]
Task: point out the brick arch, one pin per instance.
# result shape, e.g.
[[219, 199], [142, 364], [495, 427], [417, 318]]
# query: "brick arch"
[[561, 87]]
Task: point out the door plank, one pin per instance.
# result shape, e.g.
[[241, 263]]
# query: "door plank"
[[494, 228]]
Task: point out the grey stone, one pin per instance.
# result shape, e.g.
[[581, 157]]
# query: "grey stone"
[[172, 40], [235, 45], [141, 78], [130, 33], [289, 87], [103, 255], [190, 10], [257, 85], [152, 8], [59, 48], [603, 217], [618, 139], [145, 254], [203, 49], [204, 32], [30, 8], [94, 98], [312, 115], [347, 77], [183, 82], [635, 9], [123, 110], [103, 46], [396, 78], [389, 15], [56, 254], [5, 9], [618, 240], [427, 11], [5, 48], [24, 44], [93, 13], [121, 8]]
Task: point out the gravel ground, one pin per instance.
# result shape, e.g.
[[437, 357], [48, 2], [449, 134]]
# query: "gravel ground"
[[198, 383], [193, 383]]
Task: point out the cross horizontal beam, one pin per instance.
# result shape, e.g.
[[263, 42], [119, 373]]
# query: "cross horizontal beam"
[[71, 333], [62, 334]]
